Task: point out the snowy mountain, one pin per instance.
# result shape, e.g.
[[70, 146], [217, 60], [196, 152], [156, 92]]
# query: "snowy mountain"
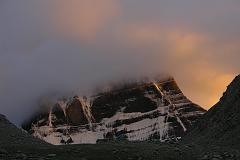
[[152, 110]]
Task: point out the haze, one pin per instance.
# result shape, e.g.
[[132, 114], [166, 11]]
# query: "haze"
[[57, 47]]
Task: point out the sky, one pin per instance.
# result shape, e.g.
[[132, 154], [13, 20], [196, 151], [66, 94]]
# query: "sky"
[[57, 47]]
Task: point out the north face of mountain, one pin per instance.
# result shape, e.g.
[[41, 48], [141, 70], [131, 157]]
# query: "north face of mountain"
[[155, 110]]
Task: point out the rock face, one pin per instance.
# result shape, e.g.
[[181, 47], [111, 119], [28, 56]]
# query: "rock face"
[[143, 111], [75, 113], [221, 123]]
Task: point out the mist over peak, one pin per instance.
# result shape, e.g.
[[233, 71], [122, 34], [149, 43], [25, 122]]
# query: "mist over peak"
[[58, 47]]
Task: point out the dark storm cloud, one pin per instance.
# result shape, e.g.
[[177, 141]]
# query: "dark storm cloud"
[[59, 47]]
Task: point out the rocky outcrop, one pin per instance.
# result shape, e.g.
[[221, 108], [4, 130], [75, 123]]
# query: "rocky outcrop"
[[58, 115], [153, 110], [74, 112]]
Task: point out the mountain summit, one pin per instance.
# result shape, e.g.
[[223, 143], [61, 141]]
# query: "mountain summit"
[[152, 110]]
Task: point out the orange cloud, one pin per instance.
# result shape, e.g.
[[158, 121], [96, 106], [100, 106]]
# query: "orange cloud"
[[83, 19], [141, 35], [204, 84], [184, 43], [180, 41], [187, 57]]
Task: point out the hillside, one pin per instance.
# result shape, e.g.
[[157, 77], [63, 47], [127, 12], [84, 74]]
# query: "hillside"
[[220, 125]]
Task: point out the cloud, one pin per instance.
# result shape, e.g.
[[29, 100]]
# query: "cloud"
[[196, 59], [85, 18], [27, 24], [58, 47], [45, 50]]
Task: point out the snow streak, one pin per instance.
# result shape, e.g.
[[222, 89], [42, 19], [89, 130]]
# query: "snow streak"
[[168, 98], [86, 106]]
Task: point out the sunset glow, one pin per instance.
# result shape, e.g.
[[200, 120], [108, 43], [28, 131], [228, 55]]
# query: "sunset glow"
[[77, 44]]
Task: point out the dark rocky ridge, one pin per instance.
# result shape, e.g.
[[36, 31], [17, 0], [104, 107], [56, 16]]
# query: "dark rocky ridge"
[[221, 124], [11, 135]]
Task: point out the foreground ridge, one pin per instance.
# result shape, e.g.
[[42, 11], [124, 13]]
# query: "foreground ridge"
[[220, 125]]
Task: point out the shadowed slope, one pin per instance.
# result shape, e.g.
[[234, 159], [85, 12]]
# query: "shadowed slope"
[[221, 124], [10, 135]]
